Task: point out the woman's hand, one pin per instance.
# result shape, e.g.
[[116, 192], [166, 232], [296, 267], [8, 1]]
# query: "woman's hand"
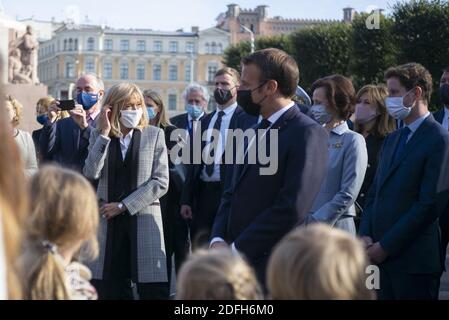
[[104, 125], [110, 210]]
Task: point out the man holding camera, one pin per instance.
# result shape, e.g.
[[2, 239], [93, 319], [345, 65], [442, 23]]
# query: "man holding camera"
[[66, 141]]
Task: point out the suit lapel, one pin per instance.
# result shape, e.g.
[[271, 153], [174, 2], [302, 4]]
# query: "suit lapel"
[[75, 135], [439, 116]]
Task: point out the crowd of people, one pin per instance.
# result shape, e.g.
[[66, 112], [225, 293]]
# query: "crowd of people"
[[94, 205]]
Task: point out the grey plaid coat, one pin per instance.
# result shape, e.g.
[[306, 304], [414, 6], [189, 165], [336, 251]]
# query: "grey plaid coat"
[[152, 183]]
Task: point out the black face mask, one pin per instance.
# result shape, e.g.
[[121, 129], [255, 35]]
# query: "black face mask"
[[245, 100], [222, 96], [444, 94]]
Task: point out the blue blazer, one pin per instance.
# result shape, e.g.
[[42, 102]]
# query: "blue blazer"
[[256, 211], [406, 199], [65, 143]]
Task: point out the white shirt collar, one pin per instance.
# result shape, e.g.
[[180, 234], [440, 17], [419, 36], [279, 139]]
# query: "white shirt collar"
[[228, 110], [190, 118], [275, 116], [415, 124], [128, 137]]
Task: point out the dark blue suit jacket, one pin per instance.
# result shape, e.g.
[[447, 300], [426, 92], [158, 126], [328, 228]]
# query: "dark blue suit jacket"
[[256, 211], [439, 115], [406, 199], [240, 120], [65, 143]]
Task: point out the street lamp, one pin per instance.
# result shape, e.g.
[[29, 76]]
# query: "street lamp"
[[252, 36]]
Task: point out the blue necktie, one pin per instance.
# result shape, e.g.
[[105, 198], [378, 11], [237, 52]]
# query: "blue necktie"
[[405, 131]]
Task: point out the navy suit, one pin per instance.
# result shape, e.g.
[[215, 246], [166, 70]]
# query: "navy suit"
[[65, 143], [256, 211], [444, 218], [402, 210]]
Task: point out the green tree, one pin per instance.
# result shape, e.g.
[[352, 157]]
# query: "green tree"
[[372, 50]]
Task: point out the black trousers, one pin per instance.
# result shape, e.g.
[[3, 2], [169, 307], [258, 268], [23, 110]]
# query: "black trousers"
[[444, 226], [122, 290], [207, 203], [406, 286]]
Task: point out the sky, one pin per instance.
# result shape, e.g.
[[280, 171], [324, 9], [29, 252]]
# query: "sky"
[[171, 15]]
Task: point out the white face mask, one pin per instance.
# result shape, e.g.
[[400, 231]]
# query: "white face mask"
[[320, 114], [396, 108], [131, 118]]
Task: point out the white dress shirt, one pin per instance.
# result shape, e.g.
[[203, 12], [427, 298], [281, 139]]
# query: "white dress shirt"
[[445, 123], [225, 122], [273, 118], [125, 142], [415, 125]]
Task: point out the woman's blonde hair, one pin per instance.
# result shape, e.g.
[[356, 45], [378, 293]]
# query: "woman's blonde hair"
[[162, 116], [217, 275], [45, 104], [318, 263], [64, 215], [384, 124], [18, 109], [116, 98], [13, 204]]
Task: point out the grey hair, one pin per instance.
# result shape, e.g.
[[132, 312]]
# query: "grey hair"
[[98, 80], [196, 87]]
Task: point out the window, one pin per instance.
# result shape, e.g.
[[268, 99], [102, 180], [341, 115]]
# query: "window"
[[90, 66], [211, 71], [70, 44], [172, 101], [140, 71], [220, 48], [157, 70], [90, 44], [158, 46], [69, 70], [76, 44], [173, 73], [141, 46], [124, 45], [173, 46], [108, 44], [188, 72], [107, 70], [214, 48], [207, 48], [190, 47], [124, 70]]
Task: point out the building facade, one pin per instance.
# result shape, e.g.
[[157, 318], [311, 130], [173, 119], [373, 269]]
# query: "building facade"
[[163, 61]]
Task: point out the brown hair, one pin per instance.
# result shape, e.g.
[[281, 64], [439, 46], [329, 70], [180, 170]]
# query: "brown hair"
[[62, 218], [234, 74], [412, 75], [217, 275], [318, 263], [340, 94], [275, 64], [161, 118], [45, 104], [13, 204], [116, 98], [384, 124]]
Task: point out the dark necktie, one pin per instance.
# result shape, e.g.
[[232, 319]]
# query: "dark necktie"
[[405, 131], [263, 125], [217, 126], [90, 121]]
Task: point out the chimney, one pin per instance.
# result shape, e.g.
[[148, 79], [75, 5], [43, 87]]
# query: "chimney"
[[348, 14], [195, 29]]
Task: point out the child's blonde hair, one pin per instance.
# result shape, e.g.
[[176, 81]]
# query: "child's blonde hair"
[[217, 275], [64, 216], [318, 262]]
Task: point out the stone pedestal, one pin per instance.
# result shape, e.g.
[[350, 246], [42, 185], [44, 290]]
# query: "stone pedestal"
[[27, 95]]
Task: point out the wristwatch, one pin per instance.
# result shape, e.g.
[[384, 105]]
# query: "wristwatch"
[[120, 206]]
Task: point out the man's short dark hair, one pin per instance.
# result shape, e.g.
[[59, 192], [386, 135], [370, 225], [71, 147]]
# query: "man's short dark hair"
[[234, 74], [412, 75], [275, 64]]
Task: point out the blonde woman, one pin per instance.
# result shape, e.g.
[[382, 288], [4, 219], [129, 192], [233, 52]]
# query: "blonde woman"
[[374, 123], [217, 275], [60, 223], [318, 262], [129, 158], [22, 138]]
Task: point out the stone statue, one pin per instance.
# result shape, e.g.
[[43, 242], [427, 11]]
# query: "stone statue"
[[27, 47]]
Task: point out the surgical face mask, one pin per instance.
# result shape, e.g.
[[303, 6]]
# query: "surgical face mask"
[[245, 100], [444, 94], [194, 111], [42, 119], [320, 114], [396, 108], [151, 113], [222, 96], [131, 118], [364, 113], [87, 100]]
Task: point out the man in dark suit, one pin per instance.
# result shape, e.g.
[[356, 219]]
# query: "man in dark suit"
[[205, 182], [442, 116], [400, 222], [66, 141], [258, 209]]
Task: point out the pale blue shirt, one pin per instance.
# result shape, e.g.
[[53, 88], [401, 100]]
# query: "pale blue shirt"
[[415, 125]]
